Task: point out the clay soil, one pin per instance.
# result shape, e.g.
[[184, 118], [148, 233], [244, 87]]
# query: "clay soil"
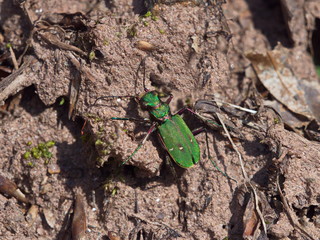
[[70, 53]]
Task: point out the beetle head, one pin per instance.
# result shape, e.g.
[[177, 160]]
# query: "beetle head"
[[150, 99]]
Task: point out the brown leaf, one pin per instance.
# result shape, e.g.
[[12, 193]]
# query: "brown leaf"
[[79, 222], [276, 75]]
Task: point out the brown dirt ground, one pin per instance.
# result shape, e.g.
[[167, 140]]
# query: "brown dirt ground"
[[199, 50]]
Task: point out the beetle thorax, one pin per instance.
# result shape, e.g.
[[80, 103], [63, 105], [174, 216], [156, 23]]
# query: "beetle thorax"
[[161, 112]]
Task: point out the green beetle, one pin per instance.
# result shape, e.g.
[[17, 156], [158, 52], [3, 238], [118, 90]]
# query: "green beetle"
[[174, 133]]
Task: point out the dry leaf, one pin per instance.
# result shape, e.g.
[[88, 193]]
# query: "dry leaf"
[[275, 74], [79, 222]]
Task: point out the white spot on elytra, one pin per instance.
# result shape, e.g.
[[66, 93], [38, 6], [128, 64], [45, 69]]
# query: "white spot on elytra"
[[181, 148], [171, 149]]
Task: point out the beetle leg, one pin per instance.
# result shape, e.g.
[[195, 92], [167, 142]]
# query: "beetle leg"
[[168, 159], [214, 163], [196, 131], [172, 169], [169, 99], [153, 127], [182, 110]]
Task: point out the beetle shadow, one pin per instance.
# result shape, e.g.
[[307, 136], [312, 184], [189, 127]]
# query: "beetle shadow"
[[218, 137]]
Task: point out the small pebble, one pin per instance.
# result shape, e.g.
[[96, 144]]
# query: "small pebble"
[[50, 219], [32, 214], [145, 46], [53, 169]]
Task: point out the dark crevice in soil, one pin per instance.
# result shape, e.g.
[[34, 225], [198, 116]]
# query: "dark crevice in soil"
[[268, 17], [31, 102], [311, 211], [255, 148], [109, 4], [276, 204], [139, 7], [315, 51], [262, 176]]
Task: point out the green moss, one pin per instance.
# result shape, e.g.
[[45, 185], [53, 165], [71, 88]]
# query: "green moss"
[[105, 152], [26, 155], [154, 18], [98, 142], [92, 55], [50, 144], [42, 147], [30, 164], [111, 188], [276, 120], [40, 151], [114, 191], [147, 14], [62, 101], [145, 23], [35, 152], [47, 154]]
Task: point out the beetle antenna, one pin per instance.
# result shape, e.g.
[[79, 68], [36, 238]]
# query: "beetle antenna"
[[142, 63]]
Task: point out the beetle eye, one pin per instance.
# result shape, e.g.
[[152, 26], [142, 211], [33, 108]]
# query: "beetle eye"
[[143, 103], [162, 95]]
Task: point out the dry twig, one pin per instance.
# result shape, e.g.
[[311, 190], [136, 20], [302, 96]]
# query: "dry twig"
[[290, 213]]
